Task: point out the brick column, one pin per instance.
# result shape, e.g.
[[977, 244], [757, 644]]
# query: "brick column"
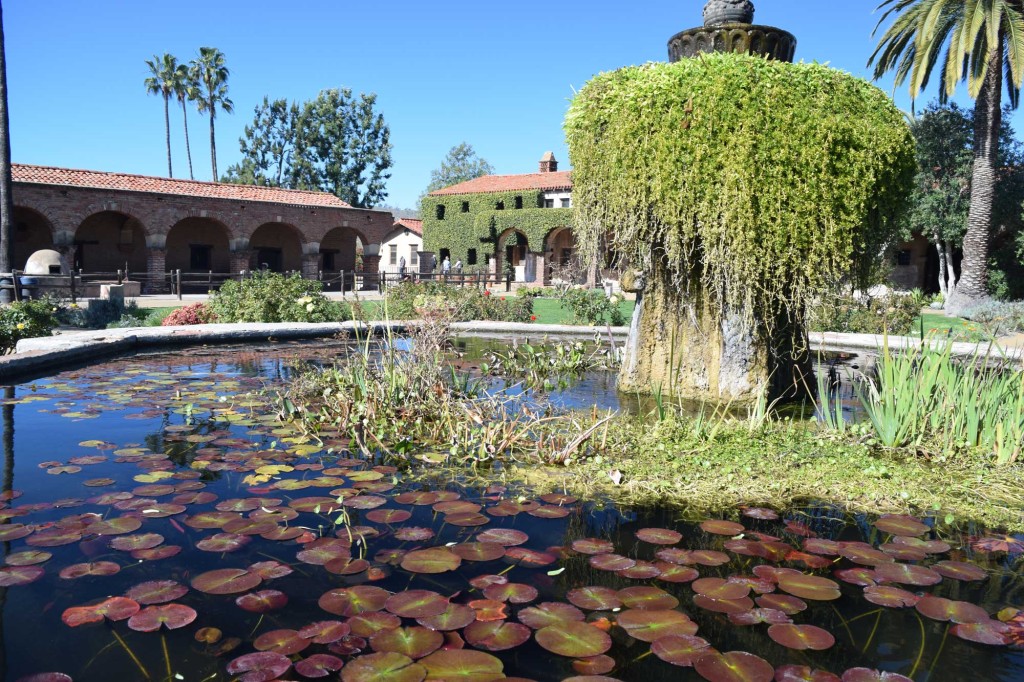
[[156, 270], [240, 261], [371, 276], [310, 266], [540, 270]]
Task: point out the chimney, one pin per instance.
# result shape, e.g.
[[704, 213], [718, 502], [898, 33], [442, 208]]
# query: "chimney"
[[548, 163]]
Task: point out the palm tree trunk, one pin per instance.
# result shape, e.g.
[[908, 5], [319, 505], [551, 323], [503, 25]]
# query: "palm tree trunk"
[[188, 147], [213, 145], [167, 129], [971, 287], [6, 182]]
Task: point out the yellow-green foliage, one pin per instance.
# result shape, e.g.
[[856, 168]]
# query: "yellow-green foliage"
[[480, 226], [759, 182]]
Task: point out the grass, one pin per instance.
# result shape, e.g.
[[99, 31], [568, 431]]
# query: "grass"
[[551, 311], [959, 329]]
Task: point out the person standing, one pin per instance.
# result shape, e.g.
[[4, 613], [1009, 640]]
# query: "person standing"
[[446, 266], [401, 267]]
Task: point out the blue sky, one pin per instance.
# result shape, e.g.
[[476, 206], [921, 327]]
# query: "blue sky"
[[497, 75]]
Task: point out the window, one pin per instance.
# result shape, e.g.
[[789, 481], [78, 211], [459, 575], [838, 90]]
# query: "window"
[[414, 258], [549, 203], [440, 212], [465, 207], [471, 257], [199, 257], [519, 202], [500, 206], [903, 257], [393, 255], [565, 203]]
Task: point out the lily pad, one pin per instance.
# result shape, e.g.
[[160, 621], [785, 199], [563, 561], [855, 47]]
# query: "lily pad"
[[462, 666], [594, 598], [226, 581], [414, 642], [593, 546], [907, 574], [263, 665], [157, 592], [172, 616], [659, 536], [729, 528], [611, 562], [801, 637], [97, 568], [416, 604], [788, 604], [371, 622], [12, 576], [383, 667], [717, 588], [734, 666], [113, 608], [959, 570], [574, 639], [803, 673], [431, 561], [352, 601], [263, 601], [285, 642], [648, 626], [514, 593], [681, 650], [890, 597], [647, 599], [898, 524], [550, 613], [325, 631], [496, 635], [319, 665], [507, 537], [479, 551], [455, 617], [869, 675], [990, 632], [810, 587], [758, 616]]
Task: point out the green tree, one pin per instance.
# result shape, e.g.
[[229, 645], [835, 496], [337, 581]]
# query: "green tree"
[[981, 38], [163, 81], [186, 90], [267, 146], [6, 182], [335, 143], [942, 186], [211, 76], [459, 165]]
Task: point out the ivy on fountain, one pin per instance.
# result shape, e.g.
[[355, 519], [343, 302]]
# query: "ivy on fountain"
[[761, 183], [474, 221]]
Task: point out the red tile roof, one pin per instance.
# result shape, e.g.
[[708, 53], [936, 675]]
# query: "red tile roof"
[[126, 182], [560, 180], [412, 224]]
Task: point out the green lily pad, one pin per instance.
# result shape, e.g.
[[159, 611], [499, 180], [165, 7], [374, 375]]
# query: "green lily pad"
[[462, 666], [353, 600]]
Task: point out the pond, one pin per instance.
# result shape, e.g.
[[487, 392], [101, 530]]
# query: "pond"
[[160, 523]]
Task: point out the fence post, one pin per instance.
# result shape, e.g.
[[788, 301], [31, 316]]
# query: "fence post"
[[177, 278]]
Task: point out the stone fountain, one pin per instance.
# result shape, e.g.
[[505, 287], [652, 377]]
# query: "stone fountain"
[[728, 27]]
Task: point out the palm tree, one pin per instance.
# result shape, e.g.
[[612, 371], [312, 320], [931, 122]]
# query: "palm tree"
[[6, 198], [186, 90], [161, 81], [209, 72], [982, 38]]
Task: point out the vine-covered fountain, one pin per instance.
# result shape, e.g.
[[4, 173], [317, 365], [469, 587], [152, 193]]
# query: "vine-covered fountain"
[[728, 27]]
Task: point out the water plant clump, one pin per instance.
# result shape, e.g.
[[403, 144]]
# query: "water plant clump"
[[548, 366]]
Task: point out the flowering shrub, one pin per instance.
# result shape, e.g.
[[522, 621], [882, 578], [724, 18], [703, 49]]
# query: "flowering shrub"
[[25, 320], [591, 306], [464, 303], [998, 317], [882, 315], [271, 297], [197, 313]]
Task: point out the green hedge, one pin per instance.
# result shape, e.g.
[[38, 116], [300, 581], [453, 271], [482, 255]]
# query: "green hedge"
[[479, 226]]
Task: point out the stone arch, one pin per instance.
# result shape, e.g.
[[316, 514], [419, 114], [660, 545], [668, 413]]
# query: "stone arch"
[[109, 240], [32, 231], [199, 244], [514, 248], [340, 249], [278, 246], [560, 249]]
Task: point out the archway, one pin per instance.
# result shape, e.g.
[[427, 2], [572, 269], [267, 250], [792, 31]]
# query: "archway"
[[514, 250], [341, 249], [198, 245], [560, 252], [109, 241], [32, 232], [276, 247]]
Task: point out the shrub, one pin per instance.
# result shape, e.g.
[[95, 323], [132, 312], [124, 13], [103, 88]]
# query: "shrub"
[[999, 318], [26, 320], [197, 313], [591, 306], [271, 297], [882, 315], [465, 303]]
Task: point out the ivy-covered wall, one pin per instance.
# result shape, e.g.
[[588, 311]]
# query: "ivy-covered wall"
[[474, 221]]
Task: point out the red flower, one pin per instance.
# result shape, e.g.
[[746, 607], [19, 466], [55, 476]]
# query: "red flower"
[[487, 293], [503, 298], [533, 318]]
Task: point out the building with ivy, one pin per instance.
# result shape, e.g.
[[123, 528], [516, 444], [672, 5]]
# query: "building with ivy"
[[501, 224]]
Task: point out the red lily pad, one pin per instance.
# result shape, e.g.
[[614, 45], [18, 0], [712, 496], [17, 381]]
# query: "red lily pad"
[[801, 637], [890, 597], [514, 593], [12, 576], [898, 524], [371, 622], [268, 570], [223, 542], [906, 574], [659, 536], [114, 608], [648, 626], [947, 610], [157, 592], [674, 573], [788, 604], [681, 650], [641, 570], [611, 562], [284, 642], [574, 639], [810, 587], [265, 665], [861, 577], [550, 613], [118, 526], [352, 601], [594, 598], [46, 677], [507, 537], [593, 546], [325, 631], [758, 616], [97, 568], [734, 666], [226, 581], [455, 617], [496, 635], [717, 588], [479, 551], [594, 665], [647, 599], [263, 601], [173, 616], [416, 604], [383, 667], [990, 632], [959, 570], [464, 664], [388, 516], [430, 561], [803, 673], [1004, 544], [728, 528], [727, 606], [130, 543], [529, 557], [414, 642], [413, 534], [29, 557], [319, 665]]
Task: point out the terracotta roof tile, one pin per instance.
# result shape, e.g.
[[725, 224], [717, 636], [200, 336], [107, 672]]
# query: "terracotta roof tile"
[[126, 182], [412, 224], [509, 183]]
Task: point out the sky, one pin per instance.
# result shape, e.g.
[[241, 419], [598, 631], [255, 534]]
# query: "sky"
[[497, 75]]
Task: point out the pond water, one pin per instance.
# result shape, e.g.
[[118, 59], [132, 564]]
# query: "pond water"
[[163, 488]]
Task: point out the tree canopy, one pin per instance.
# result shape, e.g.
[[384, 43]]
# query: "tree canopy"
[[460, 164], [761, 184], [335, 143]]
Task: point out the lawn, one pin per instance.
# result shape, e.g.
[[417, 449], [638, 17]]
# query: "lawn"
[[937, 324], [550, 311]]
